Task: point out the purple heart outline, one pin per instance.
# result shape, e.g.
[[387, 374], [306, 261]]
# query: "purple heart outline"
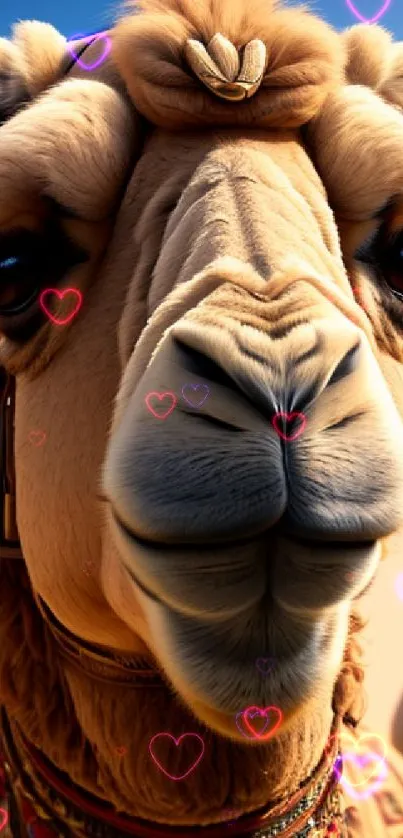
[[195, 387], [251, 716], [91, 39], [374, 19], [265, 665]]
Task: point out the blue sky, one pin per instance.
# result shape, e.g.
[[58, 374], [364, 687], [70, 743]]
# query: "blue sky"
[[86, 16]]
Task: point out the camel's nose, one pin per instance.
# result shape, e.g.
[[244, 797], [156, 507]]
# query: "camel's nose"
[[230, 431]]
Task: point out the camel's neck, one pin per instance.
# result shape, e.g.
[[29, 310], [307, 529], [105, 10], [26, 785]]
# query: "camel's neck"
[[120, 722]]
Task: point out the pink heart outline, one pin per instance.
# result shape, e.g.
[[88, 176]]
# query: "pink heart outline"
[[60, 295], [161, 396], [177, 741], [4, 821], [91, 39], [39, 435], [377, 17], [288, 417], [196, 387]]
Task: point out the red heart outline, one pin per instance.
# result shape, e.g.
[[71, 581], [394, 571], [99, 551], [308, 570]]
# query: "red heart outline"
[[161, 396], [37, 435], [177, 741], [60, 295], [262, 712], [288, 417]]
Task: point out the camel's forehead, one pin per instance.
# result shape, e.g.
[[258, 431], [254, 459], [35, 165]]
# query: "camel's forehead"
[[142, 111]]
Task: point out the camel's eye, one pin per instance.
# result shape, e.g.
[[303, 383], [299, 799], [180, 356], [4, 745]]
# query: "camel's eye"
[[385, 254], [391, 263], [29, 262], [18, 284]]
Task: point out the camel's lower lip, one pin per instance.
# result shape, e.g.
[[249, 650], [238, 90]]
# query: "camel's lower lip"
[[221, 580]]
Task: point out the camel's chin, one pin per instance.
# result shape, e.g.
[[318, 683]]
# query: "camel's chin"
[[300, 621], [244, 732]]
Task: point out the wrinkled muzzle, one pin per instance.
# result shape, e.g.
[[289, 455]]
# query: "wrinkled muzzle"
[[252, 476]]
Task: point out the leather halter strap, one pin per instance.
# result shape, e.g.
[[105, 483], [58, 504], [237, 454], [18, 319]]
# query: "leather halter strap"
[[10, 547]]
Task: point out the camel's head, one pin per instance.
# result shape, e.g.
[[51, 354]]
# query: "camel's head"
[[222, 417]]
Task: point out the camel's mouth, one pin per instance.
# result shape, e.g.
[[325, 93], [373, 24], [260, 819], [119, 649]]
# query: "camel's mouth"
[[209, 637], [218, 580]]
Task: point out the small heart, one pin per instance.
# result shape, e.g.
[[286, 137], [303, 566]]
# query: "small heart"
[[265, 665], [374, 19], [3, 819], [88, 568], [282, 418], [252, 712], [121, 750], [193, 401], [37, 438], [172, 401], [188, 736], [74, 292], [90, 38]]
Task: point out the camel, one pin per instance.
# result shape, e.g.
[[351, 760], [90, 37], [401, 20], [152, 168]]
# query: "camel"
[[201, 302]]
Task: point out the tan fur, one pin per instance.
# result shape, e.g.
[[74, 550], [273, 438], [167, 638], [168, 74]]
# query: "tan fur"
[[219, 238], [305, 60], [42, 48], [369, 51]]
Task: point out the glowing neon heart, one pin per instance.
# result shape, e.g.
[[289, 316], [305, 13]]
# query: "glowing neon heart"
[[60, 294], [3, 819], [351, 788], [37, 438], [191, 399], [283, 417], [177, 743], [374, 19], [161, 396], [252, 712], [348, 742], [90, 39]]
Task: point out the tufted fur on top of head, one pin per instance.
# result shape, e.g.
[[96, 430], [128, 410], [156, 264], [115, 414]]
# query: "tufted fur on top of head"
[[29, 63], [305, 59]]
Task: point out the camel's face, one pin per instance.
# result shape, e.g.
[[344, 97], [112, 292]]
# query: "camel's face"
[[246, 509]]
